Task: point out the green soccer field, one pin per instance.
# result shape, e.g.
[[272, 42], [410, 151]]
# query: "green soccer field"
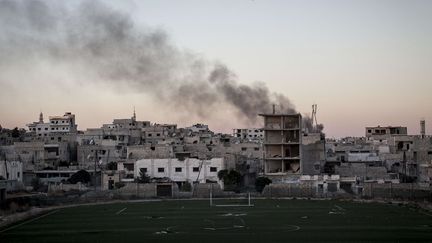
[[196, 221]]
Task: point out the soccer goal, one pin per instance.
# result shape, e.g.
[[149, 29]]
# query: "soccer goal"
[[230, 202]]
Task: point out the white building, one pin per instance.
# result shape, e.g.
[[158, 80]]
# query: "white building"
[[11, 170], [189, 170], [56, 124]]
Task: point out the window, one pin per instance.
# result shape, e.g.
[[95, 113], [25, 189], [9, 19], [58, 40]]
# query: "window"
[[46, 128], [369, 131], [143, 170], [161, 169], [149, 135], [52, 128], [158, 134], [244, 149], [256, 148], [178, 169], [62, 121], [213, 169], [39, 128], [195, 169]]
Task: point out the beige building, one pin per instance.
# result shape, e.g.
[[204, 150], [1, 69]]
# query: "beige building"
[[282, 140]]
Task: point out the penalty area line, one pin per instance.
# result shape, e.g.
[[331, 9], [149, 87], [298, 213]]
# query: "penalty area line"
[[29, 221], [119, 212]]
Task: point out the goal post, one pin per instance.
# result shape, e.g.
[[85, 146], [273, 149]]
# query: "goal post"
[[230, 202]]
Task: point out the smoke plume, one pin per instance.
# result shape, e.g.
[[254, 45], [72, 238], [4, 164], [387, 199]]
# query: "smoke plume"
[[94, 40]]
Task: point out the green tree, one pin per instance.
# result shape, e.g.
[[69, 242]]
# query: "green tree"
[[112, 166], [15, 133], [261, 182], [80, 176], [230, 177], [143, 177], [187, 187], [36, 183]]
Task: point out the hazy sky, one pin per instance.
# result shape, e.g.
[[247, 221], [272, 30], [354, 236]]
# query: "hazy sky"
[[363, 62]]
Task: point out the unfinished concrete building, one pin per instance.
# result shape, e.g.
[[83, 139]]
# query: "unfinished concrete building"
[[249, 134], [282, 144], [313, 155], [382, 133]]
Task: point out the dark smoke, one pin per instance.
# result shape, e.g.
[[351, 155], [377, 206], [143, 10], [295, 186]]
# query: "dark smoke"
[[309, 126], [92, 36]]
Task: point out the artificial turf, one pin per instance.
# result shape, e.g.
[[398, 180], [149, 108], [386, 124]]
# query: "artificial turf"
[[195, 221]]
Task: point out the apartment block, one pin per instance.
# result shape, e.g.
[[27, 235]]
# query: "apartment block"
[[282, 144]]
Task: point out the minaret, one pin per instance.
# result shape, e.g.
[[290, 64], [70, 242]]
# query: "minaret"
[[134, 115], [41, 118]]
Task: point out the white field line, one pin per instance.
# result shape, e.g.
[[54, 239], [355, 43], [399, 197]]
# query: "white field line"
[[119, 212], [340, 208], [430, 215], [29, 221], [294, 228]]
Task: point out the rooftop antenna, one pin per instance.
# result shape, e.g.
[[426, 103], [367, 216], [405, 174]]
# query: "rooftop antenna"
[[314, 118]]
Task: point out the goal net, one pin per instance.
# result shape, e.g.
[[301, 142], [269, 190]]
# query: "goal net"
[[231, 202]]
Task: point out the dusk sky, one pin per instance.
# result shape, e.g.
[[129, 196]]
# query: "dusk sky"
[[364, 63]]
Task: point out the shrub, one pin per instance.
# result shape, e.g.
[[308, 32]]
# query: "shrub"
[[231, 178], [143, 177], [261, 182], [187, 187], [81, 176], [118, 185], [36, 183]]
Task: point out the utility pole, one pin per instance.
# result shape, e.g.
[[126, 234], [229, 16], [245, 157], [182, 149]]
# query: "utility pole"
[[94, 175], [314, 118]]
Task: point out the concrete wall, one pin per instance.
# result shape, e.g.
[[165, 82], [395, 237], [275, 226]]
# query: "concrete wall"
[[52, 188], [11, 170], [362, 170], [150, 151], [186, 169], [313, 155], [397, 191], [304, 189]]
